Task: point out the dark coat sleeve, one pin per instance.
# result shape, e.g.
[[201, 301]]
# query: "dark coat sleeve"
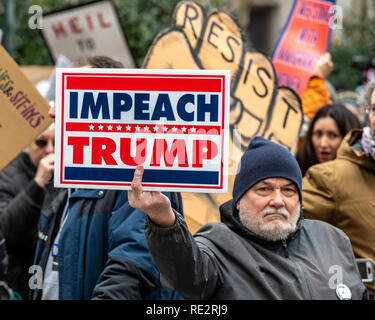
[[19, 210], [124, 280], [185, 265], [129, 272]]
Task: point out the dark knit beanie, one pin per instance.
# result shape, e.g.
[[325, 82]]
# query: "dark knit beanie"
[[264, 159]]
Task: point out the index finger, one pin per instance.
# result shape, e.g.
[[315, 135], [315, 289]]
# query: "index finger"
[[137, 179]]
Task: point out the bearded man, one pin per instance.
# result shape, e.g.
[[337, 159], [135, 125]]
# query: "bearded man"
[[262, 249]]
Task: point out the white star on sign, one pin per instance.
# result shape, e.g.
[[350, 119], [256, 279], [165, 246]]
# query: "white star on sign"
[[119, 128], [156, 128], [91, 126], [109, 127], [183, 129], [174, 129], [165, 129], [128, 128], [193, 129], [100, 127], [145, 128], [137, 128]]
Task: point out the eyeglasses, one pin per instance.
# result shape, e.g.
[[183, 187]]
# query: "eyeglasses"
[[41, 143], [371, 110]]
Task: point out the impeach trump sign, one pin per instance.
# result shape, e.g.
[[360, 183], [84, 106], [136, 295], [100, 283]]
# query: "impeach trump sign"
[[173, 122]]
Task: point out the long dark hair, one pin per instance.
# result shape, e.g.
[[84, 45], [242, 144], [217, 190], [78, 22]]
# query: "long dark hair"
[[345, 121]]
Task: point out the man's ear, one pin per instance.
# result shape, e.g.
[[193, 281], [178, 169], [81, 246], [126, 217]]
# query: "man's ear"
[[238, 205]]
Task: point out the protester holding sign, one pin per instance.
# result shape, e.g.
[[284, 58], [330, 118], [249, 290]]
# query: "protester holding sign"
[[22, 191], [92, 245], [316, 94], [263, 249]]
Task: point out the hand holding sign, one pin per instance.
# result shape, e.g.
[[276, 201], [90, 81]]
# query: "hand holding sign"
[[323, 66], [155, 204]]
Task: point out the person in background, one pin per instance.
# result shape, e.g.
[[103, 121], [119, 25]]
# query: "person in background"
[[91, 243], [326, 131], [263, 249], [318, 92], [350, 100], [342, 192], [23, 186]]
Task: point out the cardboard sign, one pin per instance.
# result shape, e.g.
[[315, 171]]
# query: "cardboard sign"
[[86, 30], [174, 123], [23, 112], [258, 106], [303, 41]]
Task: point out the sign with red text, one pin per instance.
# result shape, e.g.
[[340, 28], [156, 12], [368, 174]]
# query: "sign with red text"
[[303, 41], [23, 111], [86, 30], [173, 122]]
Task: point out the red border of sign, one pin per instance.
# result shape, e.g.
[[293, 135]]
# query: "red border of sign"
[[194, 77]]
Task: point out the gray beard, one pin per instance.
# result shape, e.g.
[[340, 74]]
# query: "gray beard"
[[273, 233]]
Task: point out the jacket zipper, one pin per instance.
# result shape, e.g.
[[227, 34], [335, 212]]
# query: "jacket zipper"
[[285, 248], [305, 287]]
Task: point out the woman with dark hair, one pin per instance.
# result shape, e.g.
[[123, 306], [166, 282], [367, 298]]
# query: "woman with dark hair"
[[327, 129]]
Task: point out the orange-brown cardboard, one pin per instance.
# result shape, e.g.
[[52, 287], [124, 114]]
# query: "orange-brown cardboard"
[[23, 111]]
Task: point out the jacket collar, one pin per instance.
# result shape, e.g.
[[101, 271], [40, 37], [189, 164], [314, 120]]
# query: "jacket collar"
[[88, 193], [352, 151], [54, 202]]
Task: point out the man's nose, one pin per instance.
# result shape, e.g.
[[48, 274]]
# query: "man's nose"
[[277, 200]]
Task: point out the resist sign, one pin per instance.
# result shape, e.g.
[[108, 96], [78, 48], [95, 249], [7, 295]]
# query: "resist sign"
[[173, 122]]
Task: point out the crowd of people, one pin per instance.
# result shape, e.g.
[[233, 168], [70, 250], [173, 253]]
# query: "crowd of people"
[[290, 221]]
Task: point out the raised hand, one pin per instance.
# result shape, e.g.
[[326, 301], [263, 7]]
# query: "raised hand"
[[155, 204], [324, 66], [45, 169]]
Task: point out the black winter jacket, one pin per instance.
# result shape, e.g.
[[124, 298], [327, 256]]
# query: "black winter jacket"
[[20, 203], [227, 261]]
